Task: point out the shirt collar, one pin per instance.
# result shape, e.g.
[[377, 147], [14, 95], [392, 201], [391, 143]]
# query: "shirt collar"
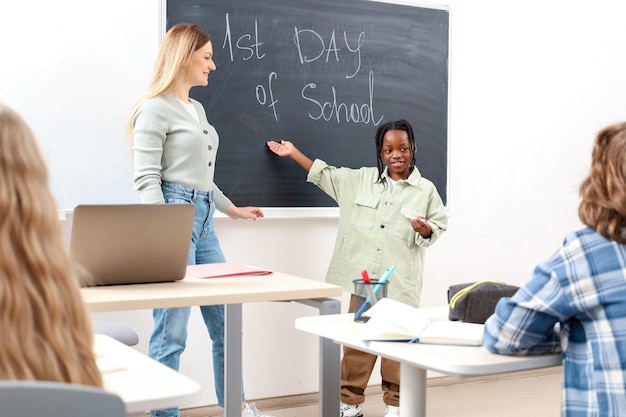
[[413, 179]]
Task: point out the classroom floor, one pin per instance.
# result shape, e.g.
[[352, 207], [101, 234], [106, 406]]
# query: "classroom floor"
[[521, 394]]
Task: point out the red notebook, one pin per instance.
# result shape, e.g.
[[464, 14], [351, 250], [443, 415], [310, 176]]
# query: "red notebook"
[[226, 269]]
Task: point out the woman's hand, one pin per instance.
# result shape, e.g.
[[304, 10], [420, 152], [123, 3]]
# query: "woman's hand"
[[249, 212]]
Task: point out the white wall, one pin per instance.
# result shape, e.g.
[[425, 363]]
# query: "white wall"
[[531, 83]]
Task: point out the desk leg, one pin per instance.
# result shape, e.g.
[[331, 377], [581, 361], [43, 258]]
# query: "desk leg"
[[412, 391], [330, 361], [232, 360]]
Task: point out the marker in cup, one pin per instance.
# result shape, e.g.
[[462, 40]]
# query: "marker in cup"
[[377, 288], [368, 288]]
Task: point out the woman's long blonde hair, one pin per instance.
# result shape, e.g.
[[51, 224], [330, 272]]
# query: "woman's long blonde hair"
[[46, 331], [603, 192], [173, 63]]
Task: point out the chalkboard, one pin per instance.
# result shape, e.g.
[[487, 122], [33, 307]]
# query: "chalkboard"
[[323, 74]]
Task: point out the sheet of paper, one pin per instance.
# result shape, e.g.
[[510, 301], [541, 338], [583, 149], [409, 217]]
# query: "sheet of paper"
[[225, 269], [109, 365]]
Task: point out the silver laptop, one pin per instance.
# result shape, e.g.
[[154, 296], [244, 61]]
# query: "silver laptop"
[[132, 243]]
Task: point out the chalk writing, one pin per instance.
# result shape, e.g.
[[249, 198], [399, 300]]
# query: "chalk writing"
[[353, 113], [252, 49], [261, 95], [311, 46], [331, 48]]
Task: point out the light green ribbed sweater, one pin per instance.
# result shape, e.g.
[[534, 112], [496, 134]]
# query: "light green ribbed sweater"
[[170, 145]]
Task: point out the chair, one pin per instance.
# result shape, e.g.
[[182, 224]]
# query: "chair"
[[57, 399], [117, 331]]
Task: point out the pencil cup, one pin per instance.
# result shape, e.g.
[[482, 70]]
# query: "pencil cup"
[[369, 294]]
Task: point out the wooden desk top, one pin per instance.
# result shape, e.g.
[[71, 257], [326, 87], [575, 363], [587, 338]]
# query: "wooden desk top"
[[195, 291], [142, 383], [462, 361]]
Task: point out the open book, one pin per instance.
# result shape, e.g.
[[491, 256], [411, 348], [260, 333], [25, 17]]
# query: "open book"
[[392, 320]]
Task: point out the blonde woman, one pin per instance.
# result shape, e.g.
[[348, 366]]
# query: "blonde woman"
[[175, 149], [45, 330]]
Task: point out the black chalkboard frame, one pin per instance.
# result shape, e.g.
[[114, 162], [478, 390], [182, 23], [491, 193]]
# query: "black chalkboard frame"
[[251, 175]]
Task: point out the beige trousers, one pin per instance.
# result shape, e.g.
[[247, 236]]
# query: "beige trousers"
[[356, 368]]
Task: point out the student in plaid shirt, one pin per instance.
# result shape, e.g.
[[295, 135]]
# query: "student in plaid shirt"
[[576, 300]]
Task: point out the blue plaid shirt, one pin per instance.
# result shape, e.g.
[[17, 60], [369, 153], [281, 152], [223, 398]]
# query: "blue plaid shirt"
[[574, 303]]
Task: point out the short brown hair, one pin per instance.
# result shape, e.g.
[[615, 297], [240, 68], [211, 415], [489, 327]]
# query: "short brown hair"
[[603, 192]]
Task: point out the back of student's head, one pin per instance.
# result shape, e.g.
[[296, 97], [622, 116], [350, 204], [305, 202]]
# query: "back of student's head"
[[603, 192], [45, 330]]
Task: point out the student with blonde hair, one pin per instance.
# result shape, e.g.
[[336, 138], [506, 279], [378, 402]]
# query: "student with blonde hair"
[[575, 302], [45, 329], [175, 150]]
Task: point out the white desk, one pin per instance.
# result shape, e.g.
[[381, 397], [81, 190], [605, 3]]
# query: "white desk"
[[140, 381], [234, 291], [415, 359]]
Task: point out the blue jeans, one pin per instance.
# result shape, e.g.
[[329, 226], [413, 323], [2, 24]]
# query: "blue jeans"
[[169, 336]]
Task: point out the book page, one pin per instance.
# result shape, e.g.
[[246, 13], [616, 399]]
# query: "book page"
[[452, 333], [393, 320]]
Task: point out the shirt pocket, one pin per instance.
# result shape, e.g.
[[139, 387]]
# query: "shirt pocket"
[[364, 211], [411, 212]]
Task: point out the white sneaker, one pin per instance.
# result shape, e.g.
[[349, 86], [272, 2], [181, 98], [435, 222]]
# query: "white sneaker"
[[347, 410], [391, 411], [250, 410]]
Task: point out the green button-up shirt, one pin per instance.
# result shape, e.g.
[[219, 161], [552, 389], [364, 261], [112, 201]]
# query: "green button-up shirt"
[[374, 232]]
